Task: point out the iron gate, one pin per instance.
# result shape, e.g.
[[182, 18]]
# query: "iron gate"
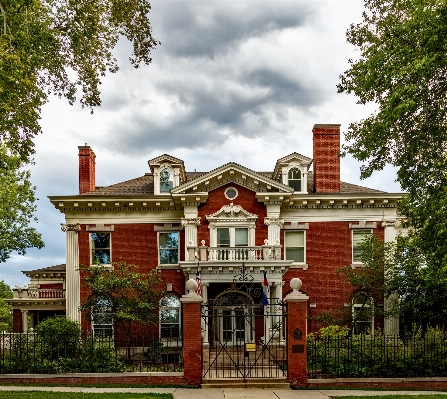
[[242, 339]]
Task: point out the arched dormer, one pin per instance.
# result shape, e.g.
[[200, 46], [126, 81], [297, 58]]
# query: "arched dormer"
[[292, 171], [169, 172]]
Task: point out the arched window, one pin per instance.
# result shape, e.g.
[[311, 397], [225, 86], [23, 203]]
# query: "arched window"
[[166, 180], [102, 321], [294, 179], [170, 317], [362, 314]]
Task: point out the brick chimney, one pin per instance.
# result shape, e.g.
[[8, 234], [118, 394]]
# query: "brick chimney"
[[326, 161], [87, 177]]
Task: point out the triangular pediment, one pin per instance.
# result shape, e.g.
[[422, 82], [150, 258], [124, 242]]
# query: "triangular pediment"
[[232, 173], [293, 158]]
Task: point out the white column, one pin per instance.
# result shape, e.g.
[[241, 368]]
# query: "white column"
[[190, 225], [73, 289], [275, 225], [391, 324], [24, 320]]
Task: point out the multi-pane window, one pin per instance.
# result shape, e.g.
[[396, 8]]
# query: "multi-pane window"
[[102, 321], [166, 181], [294, 179], [357, 237], [232, 237], [100, 245], [362, 314], [168, 247], [294, 246], [170, 317]]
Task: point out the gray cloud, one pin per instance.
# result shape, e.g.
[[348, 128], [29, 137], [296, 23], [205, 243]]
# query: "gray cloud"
[[208, 28]]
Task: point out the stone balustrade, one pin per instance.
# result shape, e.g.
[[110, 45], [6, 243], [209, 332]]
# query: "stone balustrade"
[[231, 254], [38, 293]]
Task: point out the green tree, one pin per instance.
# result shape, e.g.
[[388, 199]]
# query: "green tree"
[[53, 47], [402, 68], [5, 309], [17, 206], [128, 296], [60, 46]]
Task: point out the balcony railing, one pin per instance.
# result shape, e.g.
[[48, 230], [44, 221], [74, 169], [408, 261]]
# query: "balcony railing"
[[247, 254], [39, 293]]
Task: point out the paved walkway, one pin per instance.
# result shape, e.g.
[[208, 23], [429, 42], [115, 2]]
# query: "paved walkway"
[[229, 393]]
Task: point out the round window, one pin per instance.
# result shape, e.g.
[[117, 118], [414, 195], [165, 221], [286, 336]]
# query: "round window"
[[231, 193]]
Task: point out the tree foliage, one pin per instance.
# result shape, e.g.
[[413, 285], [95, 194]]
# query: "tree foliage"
[[127, 295], [402, 68], [60, 46], [5, 308], [17, 206], [53, 47]]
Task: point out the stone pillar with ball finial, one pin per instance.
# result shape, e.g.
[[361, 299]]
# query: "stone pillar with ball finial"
[[296, 334], [192, 334]]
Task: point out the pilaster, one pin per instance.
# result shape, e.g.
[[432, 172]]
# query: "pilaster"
[[275, 224], [73, 297]]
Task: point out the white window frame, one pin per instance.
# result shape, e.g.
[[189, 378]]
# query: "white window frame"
[[232, 231], [356, 262], [92, 258], [233, 226], [171, 179], [179, 309], [158, 247], [304, 247], [367, 306], [301, 178]]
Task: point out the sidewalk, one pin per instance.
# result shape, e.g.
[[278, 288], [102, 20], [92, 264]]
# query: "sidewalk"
[[229, 393]]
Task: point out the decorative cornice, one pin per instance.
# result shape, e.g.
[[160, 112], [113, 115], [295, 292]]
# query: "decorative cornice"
[[275, 221], [191, 221], [71, 227], [230, 212]]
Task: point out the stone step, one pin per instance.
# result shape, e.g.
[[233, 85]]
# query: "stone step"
[[258, 383]]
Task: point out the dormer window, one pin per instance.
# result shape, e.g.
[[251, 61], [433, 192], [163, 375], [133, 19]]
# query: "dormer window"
[[294, 179], [166, 181]]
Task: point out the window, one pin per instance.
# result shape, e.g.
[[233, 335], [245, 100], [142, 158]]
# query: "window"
[[168, 248], [294, 179], [100, 245], [232, 237], [102, 321], [170, 317], [362, 314], [166, 181], [231, 193], [357, 237], [294, 246]]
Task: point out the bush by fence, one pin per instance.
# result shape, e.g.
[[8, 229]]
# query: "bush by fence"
[[334, 354], [41, 353]]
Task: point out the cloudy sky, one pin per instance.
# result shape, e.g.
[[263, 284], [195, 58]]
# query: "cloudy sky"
[[241, 81]]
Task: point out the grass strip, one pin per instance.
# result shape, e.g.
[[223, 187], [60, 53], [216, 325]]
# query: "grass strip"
[[441, 395], [89, 395]]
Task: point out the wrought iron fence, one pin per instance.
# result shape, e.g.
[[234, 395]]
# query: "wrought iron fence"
[[33, 353], [377, 356]]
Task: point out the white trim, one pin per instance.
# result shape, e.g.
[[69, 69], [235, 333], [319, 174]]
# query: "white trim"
[[158, 247], [231, 188], [91, 247], [301, 265]]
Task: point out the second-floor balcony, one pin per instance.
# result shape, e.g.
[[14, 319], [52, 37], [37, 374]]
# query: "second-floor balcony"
[[230, 254]]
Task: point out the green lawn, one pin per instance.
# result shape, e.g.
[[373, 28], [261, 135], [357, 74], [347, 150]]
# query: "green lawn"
[[70, 395], [440, 396]]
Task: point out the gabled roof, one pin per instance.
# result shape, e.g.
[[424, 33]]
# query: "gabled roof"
[[234, 173], [294, 156]]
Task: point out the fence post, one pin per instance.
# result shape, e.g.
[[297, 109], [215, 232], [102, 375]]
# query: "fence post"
[[192, 335], [296, 335]]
